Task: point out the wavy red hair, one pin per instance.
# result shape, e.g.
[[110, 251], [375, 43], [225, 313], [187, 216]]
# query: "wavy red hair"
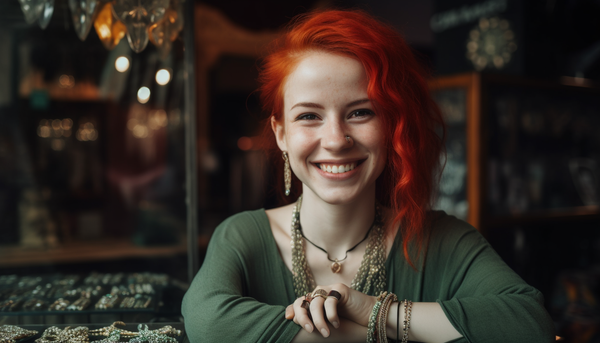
[[398, 89]]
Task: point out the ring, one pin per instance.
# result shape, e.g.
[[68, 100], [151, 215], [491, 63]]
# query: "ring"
[[319, 293], [335, 294], [308, 297], [305, 305]]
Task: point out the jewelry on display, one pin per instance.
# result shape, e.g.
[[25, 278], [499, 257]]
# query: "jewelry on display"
[[59, 305], [406, 326], [370, 277], [151, 336], [54, 334], [287, 173], [11, 333], [335, 294]]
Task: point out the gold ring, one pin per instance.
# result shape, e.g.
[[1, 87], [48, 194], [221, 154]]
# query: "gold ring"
[[319, 293]]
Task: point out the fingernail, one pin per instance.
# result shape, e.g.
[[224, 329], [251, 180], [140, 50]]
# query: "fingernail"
[[308, 327], [324, 332], [335, 324]]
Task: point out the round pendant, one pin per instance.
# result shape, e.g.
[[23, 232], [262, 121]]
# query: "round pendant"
[[336, 267]]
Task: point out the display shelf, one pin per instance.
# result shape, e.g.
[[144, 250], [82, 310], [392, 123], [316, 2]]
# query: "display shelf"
[[528, 150], [84, 251], [561, 214]]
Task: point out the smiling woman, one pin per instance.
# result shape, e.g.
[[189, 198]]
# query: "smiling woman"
[[352, 117]]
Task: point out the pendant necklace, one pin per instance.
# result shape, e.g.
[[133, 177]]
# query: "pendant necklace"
[[336, 266], [370, 277]]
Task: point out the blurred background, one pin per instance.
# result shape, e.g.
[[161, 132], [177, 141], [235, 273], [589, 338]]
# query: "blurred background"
[[125, 140]]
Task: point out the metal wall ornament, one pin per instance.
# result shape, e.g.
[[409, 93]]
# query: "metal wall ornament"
[[83, 12], [109, 29], [491, 44], [138, 16]]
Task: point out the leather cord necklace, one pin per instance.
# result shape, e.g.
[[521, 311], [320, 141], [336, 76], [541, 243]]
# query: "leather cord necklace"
[[336, 266]]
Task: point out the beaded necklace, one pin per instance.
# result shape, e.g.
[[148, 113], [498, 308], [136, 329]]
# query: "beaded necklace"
[[370, 277]]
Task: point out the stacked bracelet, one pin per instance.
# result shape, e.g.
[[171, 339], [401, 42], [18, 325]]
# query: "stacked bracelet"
[[406, 326], [377, 329]]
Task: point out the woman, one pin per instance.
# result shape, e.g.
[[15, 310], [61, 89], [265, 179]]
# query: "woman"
[[353, 120]]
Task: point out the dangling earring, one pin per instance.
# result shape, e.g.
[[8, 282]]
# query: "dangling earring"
[[287, 173]]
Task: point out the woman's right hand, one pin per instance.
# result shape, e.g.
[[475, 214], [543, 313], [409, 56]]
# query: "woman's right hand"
[[352, 305]]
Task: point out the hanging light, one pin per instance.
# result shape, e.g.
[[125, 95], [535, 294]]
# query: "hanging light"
[[109, 29], [143, 95], [82, 13], [122, 64], [137, 15], [163, 77]]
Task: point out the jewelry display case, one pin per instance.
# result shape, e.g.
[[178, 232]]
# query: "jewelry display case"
[[98, 187], [519, 150], [522, 167]]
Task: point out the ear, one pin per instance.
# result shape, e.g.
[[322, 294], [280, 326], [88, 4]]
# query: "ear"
[[279, 131]]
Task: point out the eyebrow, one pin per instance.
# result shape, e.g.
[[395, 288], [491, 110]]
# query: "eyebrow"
[[315, 105]]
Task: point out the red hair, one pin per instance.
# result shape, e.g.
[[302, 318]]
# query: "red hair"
[[398, 89]]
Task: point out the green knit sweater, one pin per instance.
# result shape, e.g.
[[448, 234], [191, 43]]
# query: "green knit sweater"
[[241, 291]]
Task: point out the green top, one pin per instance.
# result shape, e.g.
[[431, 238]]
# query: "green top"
[[243, 287]]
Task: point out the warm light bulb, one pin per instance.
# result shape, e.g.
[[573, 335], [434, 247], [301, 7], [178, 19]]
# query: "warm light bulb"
[[143, 95], [163, 77], [122, 64]]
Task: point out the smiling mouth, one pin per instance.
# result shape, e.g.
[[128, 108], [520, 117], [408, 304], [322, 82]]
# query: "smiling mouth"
[[338, 168]]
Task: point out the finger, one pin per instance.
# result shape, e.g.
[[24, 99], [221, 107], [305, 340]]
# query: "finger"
[[331, 311], [318, 316], [301, 315], [289, 312]]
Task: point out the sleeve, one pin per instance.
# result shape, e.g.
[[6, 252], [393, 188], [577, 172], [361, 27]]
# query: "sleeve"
[[484, 299], [215, 307]]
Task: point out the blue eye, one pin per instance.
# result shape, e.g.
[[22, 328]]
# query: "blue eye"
[[361, 113], [307, 116]]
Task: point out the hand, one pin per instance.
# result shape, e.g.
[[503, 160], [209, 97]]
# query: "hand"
[[353, 305]]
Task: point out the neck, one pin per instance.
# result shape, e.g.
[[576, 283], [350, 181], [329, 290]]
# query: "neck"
[[337, 227]]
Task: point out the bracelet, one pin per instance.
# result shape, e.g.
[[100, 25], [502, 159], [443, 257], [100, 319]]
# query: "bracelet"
[[372, 326], [383, 314], [406, 327]]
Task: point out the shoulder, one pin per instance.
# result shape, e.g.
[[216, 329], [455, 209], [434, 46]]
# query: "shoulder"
[[448, 233], [241, 228]]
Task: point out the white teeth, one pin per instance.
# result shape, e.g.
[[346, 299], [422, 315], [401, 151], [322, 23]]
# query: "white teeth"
[[335, 169]]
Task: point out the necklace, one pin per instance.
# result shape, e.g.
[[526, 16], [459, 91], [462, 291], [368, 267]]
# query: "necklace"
[[336, 266], [370, 277]]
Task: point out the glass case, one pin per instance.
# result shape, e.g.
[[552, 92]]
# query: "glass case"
[[95, 163]]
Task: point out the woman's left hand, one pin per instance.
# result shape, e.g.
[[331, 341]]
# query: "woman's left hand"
[[352, 305]]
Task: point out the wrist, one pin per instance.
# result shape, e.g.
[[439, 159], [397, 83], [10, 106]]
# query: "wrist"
[[395, 317]]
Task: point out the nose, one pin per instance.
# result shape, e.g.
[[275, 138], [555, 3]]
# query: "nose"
[[334, 136]]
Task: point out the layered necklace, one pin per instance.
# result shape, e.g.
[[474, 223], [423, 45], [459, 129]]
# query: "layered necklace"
[[370, 278]]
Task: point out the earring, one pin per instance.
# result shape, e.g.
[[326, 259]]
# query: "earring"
[[287, 173]]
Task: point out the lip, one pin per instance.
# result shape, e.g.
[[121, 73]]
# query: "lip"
[[342, 176]]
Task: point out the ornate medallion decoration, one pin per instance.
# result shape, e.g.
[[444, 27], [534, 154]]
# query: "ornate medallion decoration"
[[491, 44]]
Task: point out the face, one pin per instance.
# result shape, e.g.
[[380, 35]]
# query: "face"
[[325, 99]]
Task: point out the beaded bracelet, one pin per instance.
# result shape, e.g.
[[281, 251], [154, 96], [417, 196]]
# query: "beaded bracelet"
[[406, 327], [372, 326]]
